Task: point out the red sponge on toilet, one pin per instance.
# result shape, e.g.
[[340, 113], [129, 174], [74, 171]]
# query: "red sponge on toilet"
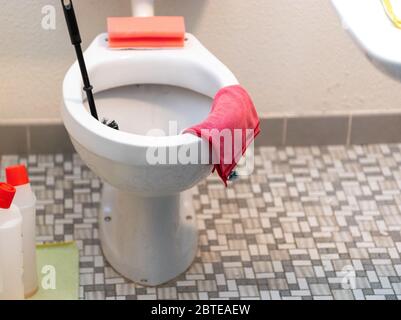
[[146, 32]]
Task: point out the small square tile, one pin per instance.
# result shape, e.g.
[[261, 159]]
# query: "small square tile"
[[49, 139], [13, 140], [308, 131], [380, 128], [271, 132]]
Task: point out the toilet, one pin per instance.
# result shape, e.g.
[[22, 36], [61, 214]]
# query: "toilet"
[[147, 224]]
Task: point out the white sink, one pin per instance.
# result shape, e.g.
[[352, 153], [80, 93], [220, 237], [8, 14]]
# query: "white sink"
[[373, 31]]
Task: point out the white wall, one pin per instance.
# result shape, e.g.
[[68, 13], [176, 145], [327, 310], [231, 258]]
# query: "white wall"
[[291, 54]]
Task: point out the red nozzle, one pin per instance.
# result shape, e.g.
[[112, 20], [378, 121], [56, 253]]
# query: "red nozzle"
[[17, 175], [7, 193]]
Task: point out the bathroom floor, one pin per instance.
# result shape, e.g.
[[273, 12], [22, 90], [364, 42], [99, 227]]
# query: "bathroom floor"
[[311, 223]]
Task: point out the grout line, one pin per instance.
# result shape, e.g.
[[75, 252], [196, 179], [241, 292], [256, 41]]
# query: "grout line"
[[28, 139], [349, 131], [284, 133]]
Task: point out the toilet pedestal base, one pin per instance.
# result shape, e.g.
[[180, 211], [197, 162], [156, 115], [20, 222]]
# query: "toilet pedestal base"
[[148, 240]]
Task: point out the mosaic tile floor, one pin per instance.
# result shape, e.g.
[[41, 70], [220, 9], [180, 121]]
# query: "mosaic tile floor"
[[311, 223]]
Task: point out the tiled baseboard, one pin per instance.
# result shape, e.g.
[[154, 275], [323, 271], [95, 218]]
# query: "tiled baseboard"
[[285, 131], [331, 130], [39, 139]]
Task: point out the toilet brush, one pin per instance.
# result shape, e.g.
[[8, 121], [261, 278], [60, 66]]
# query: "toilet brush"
[[76, 41]]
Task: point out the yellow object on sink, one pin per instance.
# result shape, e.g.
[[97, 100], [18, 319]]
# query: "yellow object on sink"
[[388, 7]]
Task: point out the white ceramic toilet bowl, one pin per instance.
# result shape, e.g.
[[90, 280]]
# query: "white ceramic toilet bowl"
[[147, 225]]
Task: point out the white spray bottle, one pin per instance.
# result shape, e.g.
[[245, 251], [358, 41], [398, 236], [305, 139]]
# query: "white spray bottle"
[[11, 259], [25, 200]]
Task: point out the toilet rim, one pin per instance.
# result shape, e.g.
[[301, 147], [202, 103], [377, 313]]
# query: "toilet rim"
[[192, 67]]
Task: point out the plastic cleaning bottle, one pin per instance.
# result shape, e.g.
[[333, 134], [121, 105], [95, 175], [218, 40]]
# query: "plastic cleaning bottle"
[[11, 258], [25, 200]]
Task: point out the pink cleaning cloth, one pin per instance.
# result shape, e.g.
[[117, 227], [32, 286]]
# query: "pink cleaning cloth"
[[230, 128]]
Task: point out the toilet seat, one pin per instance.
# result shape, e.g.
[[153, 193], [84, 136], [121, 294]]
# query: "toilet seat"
[[192, 67]]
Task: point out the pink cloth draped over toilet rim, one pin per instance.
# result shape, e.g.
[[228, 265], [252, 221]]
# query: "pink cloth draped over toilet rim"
[[230, 128]]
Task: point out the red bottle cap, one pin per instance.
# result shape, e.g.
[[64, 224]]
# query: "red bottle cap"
[[17, 175], [7, 193]]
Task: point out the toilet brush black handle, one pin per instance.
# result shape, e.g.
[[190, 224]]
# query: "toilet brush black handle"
[[76, 41], [87, 85], [71, 20]]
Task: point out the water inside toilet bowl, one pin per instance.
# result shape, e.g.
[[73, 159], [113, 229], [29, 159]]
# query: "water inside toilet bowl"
[[138, 109]]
